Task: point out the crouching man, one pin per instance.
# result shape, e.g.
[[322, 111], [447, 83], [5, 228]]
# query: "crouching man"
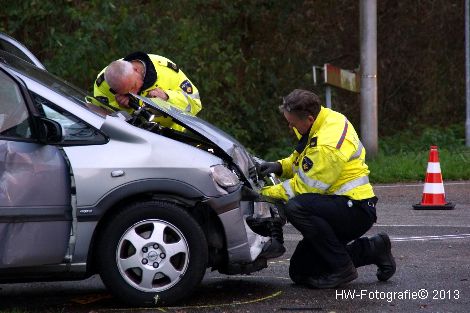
[[329, 197]]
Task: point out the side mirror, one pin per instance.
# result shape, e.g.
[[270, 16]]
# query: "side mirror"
[[50, 131]]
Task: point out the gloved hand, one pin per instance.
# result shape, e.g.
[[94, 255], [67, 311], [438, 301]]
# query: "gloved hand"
[[249, 194], [269, 167]]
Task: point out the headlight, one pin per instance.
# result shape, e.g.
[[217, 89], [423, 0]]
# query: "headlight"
[[224, 177], [241, 159]]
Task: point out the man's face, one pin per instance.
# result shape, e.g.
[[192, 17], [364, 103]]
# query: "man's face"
[[302, 125], [131, 83]]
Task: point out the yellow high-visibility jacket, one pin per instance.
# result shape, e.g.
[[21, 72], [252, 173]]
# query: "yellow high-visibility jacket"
[[332, 161], [162, 73]]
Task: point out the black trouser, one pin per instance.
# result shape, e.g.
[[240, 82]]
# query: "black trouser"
[[328, 223]]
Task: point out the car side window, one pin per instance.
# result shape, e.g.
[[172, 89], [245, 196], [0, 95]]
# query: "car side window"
[[74, 130], [14, 117]]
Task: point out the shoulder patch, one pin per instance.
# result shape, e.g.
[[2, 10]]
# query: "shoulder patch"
[[102, 99], [313, 142], [307, 164], [186, 86], [173, 66], [100, 80]]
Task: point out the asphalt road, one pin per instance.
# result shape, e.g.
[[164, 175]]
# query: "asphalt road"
[[432, 250]]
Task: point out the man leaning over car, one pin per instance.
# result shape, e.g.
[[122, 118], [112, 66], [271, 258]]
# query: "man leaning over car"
[[148, 75]]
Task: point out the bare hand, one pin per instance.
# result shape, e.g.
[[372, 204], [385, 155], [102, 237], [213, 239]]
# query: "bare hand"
[[157, 93], [122, 100]]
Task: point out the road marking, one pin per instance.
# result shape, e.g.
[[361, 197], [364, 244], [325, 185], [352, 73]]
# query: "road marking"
[[416, 225], [418, 185], [87, 299], [138, 310], [278, 262], [225, 304], [428, 238], [296, 237], [409, 225], [208, 306], [249, 277]]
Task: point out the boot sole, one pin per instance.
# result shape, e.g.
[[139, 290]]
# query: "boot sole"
[[343, 281]]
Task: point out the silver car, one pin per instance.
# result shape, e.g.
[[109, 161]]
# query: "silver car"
[[86, 190]]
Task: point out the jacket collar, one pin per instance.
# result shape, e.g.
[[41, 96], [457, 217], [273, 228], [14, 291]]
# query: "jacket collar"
[[302, 143], [317, 124], [150, 73]]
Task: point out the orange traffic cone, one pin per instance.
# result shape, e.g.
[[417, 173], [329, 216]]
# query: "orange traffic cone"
[[433, 194]]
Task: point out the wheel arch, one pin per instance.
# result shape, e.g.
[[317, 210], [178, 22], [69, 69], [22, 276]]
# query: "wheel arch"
[[186, 196]]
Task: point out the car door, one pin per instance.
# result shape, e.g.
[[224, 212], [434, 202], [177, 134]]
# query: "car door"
[[14, 47], [35, 188]]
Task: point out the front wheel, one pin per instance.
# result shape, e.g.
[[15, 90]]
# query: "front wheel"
[[152, 253]]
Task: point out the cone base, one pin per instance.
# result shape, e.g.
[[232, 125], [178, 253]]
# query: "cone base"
[[447, 206]]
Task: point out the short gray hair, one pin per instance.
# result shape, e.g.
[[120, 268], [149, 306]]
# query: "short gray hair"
[[116, 71]]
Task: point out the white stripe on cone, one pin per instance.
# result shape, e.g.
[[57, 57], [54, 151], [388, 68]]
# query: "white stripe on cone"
[[434, 167], [434, 188]]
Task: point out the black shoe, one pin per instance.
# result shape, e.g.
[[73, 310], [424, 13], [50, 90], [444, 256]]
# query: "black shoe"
[[339, 277], [383, 258], [272, 249]]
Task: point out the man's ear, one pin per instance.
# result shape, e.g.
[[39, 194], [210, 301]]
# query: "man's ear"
[[311, 119]]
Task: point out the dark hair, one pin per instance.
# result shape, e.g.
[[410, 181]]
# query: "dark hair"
[[301, 103]]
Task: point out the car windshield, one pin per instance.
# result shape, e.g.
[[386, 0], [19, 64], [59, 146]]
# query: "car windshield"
[[53, 82]]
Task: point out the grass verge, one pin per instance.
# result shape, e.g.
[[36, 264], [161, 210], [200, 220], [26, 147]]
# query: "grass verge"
[[411, 166], [404, 156]]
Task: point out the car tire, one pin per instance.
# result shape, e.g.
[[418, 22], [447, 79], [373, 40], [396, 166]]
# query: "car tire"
[[152, 253]]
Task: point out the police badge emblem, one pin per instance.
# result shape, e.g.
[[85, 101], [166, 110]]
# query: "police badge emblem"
[[307, 164], [186, 86]]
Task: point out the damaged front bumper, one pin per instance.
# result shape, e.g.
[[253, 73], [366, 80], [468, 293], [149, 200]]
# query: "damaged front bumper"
[[248, 227]]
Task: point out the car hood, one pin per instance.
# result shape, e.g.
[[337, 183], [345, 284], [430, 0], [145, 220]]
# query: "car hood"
[[216, 136]]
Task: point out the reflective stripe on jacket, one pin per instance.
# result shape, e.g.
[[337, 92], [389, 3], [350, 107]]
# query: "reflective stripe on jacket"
[[332, 162], [162, 73]]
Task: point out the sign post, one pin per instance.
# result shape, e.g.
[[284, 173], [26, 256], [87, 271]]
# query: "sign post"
[[336, 77], [344, 79]]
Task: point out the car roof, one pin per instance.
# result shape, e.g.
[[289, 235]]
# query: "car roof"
[[16, 48]]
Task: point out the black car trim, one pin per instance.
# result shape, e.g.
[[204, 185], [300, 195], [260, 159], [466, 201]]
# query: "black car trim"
[[35, 214], [150, 186], [226, 202]]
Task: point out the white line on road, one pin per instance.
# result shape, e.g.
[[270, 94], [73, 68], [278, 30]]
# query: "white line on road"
[[427, 238], [418, 185], [298, 237], [416, 225]]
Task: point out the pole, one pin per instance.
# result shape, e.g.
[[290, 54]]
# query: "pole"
[[328, 96], [368, 95], [467, 70]]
